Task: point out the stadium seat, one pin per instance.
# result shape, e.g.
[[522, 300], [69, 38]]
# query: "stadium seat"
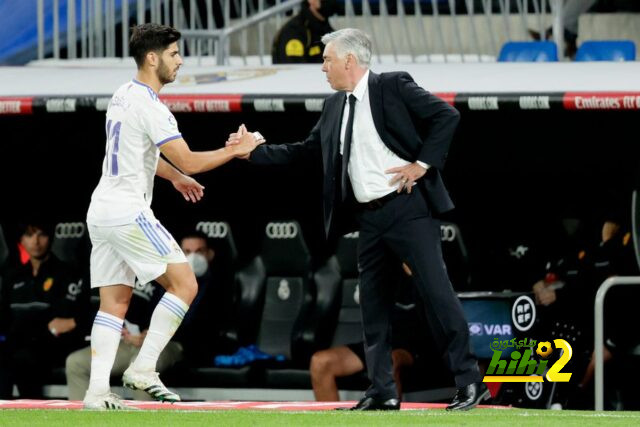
[[4, 250], [275, 298], [320, 331], [4, 256], [286, 326], [288, 293], [635, 223], [217, 307], [529, 51], [349, 327], [321, 325], [221, 239], [246, 308], [606, 50], [72, 245], [455, 256]]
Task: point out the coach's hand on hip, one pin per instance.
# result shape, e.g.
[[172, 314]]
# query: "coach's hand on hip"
[[406, 176]]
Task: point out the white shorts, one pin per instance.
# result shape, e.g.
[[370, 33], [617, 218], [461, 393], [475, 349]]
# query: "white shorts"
[[123, 252]]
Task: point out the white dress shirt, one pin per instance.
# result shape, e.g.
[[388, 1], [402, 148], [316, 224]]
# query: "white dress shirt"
[[370, 157]]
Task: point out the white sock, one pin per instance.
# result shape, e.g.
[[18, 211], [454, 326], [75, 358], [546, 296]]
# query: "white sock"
[[165, 320], [105, 339]]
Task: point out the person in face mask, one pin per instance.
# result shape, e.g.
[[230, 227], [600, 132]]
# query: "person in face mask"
[[198, 253], [298, 41]]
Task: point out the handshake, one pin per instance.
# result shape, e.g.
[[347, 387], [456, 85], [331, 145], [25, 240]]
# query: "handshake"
[[244, 142]]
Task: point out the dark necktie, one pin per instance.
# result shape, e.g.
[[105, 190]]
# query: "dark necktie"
[[346, 149]]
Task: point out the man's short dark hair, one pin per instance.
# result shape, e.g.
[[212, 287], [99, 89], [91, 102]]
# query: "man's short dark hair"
[[150, 37], [32, 224], [196, 234]]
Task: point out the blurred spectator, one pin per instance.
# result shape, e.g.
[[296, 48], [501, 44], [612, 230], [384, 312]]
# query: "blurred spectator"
[[298, 41], [144, 299], [567, 296], [571, 12], [39, 310]]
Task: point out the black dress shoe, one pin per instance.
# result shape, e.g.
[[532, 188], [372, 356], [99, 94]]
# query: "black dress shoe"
[[371, 404], [469, 396]]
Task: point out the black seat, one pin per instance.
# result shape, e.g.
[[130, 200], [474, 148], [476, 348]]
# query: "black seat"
[[220, 238], [216, 310], [274, 298], [288, 307], [455, 256], [336, 316], [4, 250], [349, 327], [72, 245], [4, 257], [288, 292], [228, 315], [635, 223]]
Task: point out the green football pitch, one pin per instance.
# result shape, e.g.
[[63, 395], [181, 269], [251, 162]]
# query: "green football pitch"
[[488, 417]]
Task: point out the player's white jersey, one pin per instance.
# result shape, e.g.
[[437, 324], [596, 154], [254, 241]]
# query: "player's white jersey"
[[137, 124]]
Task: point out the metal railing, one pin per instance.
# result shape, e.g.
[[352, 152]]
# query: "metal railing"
[[599, 333], [402, 30]]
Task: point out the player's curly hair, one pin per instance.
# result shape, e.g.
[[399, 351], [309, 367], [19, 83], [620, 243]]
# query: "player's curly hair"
[[150, 37]]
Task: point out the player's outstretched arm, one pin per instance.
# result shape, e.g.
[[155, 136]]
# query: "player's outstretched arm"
[[192, 162], [190, 189], [236, 137]]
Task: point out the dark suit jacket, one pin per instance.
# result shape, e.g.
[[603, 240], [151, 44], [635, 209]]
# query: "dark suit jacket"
[[412, 123]]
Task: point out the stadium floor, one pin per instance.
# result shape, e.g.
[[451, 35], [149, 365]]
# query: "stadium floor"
[[295, 414], [213, 406]]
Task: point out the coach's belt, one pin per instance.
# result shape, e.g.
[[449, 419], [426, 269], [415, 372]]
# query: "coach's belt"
[[378, 203]]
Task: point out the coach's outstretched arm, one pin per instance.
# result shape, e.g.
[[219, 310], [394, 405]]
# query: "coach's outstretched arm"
[[192, 162]]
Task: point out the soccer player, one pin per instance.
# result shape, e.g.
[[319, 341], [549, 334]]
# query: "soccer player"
[[128, 240]]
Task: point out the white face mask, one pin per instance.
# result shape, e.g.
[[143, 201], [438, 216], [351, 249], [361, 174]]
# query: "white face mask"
[[198, 263]]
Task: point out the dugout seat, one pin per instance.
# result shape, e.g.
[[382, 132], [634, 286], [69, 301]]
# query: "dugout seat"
[[4, 259], [219, 300], [455, 256], [528, 51], [606, 50], [349, 327], [635, 223], [4, 251], [317, 332], [289, 293], [220, 238], [287, 320], [275, 298], [72, 245], [248, 298]]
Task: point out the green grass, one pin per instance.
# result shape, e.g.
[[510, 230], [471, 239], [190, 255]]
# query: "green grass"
[[488, 417]]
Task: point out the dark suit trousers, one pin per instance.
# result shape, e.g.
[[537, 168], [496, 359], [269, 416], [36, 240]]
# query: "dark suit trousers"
[[404, 229]]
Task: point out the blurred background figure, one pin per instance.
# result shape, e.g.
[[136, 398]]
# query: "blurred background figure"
[[571, 12], [39, 313], [298, 41]]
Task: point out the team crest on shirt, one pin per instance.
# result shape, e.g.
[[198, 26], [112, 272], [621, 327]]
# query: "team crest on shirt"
[[47, 284]]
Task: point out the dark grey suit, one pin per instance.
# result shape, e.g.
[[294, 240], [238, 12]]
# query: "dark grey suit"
[[414, 125]]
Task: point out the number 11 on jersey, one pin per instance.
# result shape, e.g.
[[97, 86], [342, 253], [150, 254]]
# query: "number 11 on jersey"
[[113, 138]]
